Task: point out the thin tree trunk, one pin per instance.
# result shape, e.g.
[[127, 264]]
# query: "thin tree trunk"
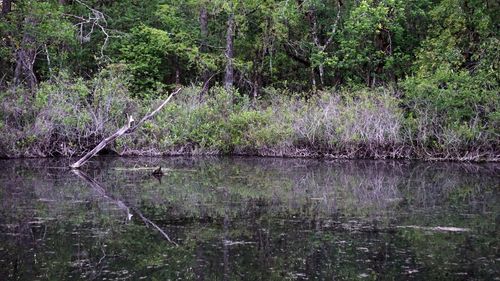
[[257, 84], [313, 22], [258, 65], [177, 75], [313, 79], [321, 69], [6, 7], [257, 71], [25, 59], [229, 76], [204, 46], [204, 28], [312, 18]]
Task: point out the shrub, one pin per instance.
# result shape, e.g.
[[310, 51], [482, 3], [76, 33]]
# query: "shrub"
[[452, 110], [69, 116], [334, 120], [66, 116]]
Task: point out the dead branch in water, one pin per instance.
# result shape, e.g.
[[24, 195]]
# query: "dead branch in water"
[[436, 228], [102, 144], [127, 129], [147, 221], [96, 186], [101, 191]]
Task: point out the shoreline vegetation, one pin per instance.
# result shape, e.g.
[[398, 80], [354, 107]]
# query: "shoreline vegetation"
[[367, 123], [388, 79]]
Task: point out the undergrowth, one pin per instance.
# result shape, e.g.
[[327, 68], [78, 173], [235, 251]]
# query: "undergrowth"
[[67, 117]]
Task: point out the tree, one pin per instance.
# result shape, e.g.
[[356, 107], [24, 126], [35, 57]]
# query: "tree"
[[456, 79], [34, 28], [6, 7], [229, 52]]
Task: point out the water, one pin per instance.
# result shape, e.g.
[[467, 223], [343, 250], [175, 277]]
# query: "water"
[[248, 219]]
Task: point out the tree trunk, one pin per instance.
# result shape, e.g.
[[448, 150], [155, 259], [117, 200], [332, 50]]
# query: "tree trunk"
[[257, 84], [321, 69], [177, 76], [103, 144], [257, 71], [204, 28], [25, 59], [311, 16], [229, 53], [6, 7], [313, 22], [260, 55], [313, 79], [204, 46]]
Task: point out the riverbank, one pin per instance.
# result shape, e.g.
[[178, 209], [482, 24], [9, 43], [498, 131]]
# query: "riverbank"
[[298, 153], [368, 123], [357, 153]]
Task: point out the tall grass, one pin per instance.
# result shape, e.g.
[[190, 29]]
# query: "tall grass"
[[67, 117]]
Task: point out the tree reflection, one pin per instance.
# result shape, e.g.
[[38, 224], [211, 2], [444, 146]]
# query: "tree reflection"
[[247, 219]]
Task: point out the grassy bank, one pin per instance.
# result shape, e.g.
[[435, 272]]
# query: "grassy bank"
[[67, 117]]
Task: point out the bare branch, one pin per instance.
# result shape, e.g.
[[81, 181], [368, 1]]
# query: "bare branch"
[[103, 144], [334, 30], [95, 19], [127, 129], [151, 114]]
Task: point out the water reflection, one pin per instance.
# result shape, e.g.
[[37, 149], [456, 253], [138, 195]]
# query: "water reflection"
[[248, 219]]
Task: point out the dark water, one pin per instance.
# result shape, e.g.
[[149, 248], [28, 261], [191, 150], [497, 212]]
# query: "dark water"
[[249, 219]]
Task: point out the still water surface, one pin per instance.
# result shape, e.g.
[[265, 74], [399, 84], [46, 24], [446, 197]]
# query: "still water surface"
[[248, 219]]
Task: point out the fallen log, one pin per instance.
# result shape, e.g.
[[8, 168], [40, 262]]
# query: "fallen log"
[[127, 129], [103, 144]]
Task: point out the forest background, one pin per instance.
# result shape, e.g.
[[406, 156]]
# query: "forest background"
[[322, 78]]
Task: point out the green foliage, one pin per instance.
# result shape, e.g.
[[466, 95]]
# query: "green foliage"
[[373, 45], [67, 115], [144, 52], [454, 92], [38, 26], [215, 124], [322, 75], [453, 102], [277, 43], [458, 33], [455, 97]]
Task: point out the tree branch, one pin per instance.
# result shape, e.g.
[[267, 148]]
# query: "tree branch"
[[127, 129]]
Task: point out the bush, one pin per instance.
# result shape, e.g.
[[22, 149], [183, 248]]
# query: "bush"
[[69, 117], [452, 110], [218, 122], [333, 121], [66, 116]]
